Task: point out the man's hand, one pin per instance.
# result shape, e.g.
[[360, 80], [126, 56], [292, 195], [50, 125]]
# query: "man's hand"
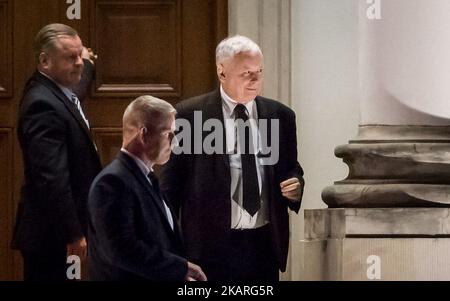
[[88, 54], [194, 273], [291, 189], [78, 248]]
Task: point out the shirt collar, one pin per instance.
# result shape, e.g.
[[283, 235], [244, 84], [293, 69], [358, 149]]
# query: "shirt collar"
[[229, 104], [142, 166], [67, 91]]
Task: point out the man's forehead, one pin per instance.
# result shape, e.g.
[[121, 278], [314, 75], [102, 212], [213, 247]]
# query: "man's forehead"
[[248, 54], [66, 42], [245, 59], [168, 124]]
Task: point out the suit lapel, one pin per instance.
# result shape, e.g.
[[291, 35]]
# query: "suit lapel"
[[176, 230], [213, 110], [265, 113], [61, 96], [261, 108], [134, 169]]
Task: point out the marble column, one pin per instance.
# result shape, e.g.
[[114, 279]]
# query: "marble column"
[[401, 156], [380, 224]]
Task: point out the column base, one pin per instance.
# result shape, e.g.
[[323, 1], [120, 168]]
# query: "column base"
[[394, 166], [376, 244]]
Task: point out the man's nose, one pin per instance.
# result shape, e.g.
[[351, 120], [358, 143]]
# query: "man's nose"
[[79, 61], [255, 78], [174, 142]]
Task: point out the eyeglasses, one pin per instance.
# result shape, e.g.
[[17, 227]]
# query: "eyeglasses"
[[170, 135], [166, 134]]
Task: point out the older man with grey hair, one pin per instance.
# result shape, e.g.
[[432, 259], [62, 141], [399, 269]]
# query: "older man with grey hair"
[[233, 204], [132, 230]]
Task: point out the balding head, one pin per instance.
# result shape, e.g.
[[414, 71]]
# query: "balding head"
[[145, 111]]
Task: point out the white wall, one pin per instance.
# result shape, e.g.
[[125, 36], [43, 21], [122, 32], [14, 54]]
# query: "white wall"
[[324, 96], [405, 63]]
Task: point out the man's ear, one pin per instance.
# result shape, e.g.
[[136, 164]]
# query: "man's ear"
[[220, 73], [143, 135], [43, 59]]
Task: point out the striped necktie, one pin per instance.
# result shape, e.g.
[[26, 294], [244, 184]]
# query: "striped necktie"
[[74, 99]]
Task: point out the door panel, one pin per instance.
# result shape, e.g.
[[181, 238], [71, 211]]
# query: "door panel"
[[154, 28]]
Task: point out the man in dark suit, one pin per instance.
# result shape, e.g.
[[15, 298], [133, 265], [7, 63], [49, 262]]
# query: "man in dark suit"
[[234, 204], [59, 156], [133, 234]]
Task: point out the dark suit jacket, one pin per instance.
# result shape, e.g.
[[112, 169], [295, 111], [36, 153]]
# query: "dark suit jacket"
[[60, 162], [199, 184], [129, 235]]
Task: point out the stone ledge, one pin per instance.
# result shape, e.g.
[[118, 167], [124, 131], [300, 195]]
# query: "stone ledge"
[[340, 223]]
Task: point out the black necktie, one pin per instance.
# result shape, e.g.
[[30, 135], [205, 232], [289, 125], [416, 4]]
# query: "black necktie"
[[155, 183], [251, 198]]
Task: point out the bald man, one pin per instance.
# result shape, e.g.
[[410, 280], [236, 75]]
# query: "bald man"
[[132, 231]]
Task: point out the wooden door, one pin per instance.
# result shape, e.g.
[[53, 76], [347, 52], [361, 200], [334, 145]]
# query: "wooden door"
[[164, 48]]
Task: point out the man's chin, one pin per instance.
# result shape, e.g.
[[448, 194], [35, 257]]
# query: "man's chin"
[[252, 93], [248, 97], [74, 82], [166, 159]]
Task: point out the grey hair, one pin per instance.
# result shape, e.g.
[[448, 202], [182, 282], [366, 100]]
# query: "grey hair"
[[147, 111], [231, 46], [46, 38]]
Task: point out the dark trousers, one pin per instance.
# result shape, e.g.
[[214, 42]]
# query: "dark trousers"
[[249, 258], [48, 266]]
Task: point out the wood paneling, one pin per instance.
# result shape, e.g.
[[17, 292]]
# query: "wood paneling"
[[6, 201], [81, 25], [108, 141], [6, 73], [6, 160], [148, 61]]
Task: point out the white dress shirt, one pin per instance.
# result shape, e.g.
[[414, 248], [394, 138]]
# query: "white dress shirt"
[[240, 218]]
